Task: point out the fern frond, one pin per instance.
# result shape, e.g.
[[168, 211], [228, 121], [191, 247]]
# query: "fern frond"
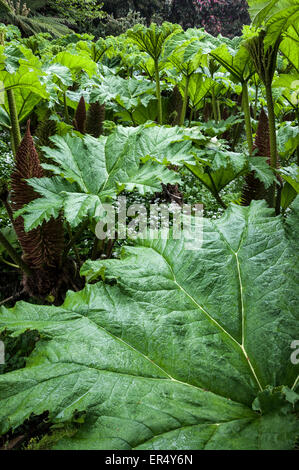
[[19, 15]]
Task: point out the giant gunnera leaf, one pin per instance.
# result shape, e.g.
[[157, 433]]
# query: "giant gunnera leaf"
[[89, 171], [182, 349]]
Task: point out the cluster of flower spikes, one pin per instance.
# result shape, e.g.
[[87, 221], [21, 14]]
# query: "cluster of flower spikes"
[[91, 121], [43, 246]]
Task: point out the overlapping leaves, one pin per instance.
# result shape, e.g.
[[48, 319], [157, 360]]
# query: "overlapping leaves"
[[188, 350], [89, 171], [217, 167], [277, 16]]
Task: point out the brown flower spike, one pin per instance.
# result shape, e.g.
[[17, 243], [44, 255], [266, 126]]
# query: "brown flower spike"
[[80, 116], [254, 189], [42, 247]]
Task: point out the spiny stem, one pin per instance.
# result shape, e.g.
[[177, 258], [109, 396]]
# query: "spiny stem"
[[66, 111], [13, 297], [272, 135], [14, 119], [272, 130], [158, 92], [184, 107], [218, 110], [216, 193], [97, 247], [236, 135], [256, 100], [214, 105], [246, 110]]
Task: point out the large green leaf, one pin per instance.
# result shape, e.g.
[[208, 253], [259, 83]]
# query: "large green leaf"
[[24, 78], [213, 128], [126, 93], [170, 145], [236, 60], [179, 353], [289, 46], [287, 139], [25, 100], [289, 84], [76, 62], [97, 169], [28, 89], [177, 51], [53, 191], [199, 87], [152, 40], [291, 175], [276, 16], [10, 57], [58, 73], [216, 167]]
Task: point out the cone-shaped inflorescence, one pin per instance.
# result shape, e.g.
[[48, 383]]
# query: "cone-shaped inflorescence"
[[79, 121], [44, 131], [175, 107], [42, 247], [95, 119], [254, 189]]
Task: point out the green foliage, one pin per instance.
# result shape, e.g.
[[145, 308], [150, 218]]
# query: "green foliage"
[[213, 129], [115, 26], [152, 40], [17, 349], [291, 175], [89, 171], [182, 366], [125, 96], [6, 164], [81, 13], [18, 14], [278, 16], [287, 140], [216, 168], [168, 347], [56, 434], [235, 59]]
